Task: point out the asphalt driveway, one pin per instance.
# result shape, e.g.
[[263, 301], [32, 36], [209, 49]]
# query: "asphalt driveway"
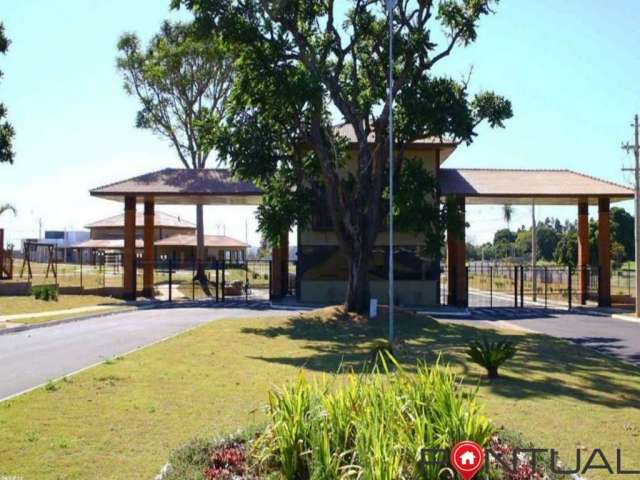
[[31, 358], [588, 327]]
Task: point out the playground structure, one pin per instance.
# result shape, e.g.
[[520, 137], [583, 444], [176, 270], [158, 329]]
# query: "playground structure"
[[30, 247], [6, 260]]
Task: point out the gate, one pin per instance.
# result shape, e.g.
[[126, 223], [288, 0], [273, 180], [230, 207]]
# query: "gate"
[[523, 286], [244, 281]]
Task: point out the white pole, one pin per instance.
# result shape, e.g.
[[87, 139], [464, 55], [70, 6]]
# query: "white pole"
[[390, 6], [636, 151], [534, 251]]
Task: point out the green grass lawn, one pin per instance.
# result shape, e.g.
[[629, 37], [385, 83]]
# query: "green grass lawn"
[[11, 305], [123, 418]]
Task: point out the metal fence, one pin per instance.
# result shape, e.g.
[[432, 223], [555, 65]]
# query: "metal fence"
[[172, 280]]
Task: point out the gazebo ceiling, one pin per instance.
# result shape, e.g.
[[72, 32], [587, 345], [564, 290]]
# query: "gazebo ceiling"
[[545, 187], [173, 186]]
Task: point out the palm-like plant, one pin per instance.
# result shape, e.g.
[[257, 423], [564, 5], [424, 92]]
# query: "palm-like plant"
[[491, 355], [7, 207]]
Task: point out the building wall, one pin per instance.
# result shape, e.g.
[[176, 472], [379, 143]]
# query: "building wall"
[[322, 270]]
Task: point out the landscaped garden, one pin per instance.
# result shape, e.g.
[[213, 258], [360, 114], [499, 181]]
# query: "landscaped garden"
[[123, 419]]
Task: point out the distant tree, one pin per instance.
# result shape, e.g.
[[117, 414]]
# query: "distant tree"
[[346, 62], [566, 252], [547, 239], [6, 129], [504, 235], [618, 255], [182, 82], [622, 231], [522, 243]]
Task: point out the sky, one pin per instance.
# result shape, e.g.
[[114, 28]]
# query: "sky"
[[570, 69]]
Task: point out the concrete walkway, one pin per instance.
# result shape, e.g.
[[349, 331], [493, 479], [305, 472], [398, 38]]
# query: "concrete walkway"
[[30, 358]]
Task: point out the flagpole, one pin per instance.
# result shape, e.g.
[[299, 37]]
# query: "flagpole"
[[390, 6]]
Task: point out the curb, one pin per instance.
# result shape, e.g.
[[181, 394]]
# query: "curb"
[[626, 317], [53, 323]]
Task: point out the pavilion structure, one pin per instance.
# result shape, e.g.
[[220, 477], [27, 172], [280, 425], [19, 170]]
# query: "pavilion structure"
[[170, 187], [462, 186], [539, 187]]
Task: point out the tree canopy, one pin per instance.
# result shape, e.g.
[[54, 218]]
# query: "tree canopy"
[[182, 81], [6, 129], [307, 62]]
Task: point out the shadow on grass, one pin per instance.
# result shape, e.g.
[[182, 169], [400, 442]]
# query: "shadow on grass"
[[545, 367]]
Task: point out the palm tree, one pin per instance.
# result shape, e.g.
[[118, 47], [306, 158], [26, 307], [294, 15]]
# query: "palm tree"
[[7, 207], [507, 212]]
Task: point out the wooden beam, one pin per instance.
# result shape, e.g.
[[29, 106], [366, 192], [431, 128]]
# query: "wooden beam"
[[129, 252], [149, 251], [583, 250], [604, 253]]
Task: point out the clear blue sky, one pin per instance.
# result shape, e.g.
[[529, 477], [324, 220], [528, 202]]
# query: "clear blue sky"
[[570, 68]]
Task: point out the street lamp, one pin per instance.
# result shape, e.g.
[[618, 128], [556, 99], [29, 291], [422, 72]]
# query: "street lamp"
[[390, 6]]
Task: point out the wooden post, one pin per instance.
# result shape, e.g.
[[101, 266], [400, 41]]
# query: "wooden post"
[[148, 255], [280, 267], [458, 288], [129, 252], [583, 250], [604, 253]]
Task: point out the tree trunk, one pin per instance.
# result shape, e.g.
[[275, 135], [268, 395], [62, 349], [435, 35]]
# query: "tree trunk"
[[201, 276], [358, 293]]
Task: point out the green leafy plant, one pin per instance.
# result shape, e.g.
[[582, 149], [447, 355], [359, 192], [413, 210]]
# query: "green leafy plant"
[[491, 355], [378, 425], [45, 292]]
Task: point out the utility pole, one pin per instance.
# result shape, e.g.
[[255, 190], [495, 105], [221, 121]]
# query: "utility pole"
[[636, 170], [534, 252]]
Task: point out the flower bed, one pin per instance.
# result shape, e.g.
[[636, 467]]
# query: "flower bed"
[[382, 425]]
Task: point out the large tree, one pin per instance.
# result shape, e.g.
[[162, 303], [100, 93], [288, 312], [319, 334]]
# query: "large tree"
[[343, 58], [6, 129], [182, 82]]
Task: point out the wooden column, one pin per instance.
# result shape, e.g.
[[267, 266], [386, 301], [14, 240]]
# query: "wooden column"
[[583, 250], [149, 251], [457, 265], [280, 267], [129, 253], [604, 253]]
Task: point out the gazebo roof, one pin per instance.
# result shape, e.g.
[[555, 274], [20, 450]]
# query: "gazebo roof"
[[176, 186], [183, 240], [545, 187], [161, 219]]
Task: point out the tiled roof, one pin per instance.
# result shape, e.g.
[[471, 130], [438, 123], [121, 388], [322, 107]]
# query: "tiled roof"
[[183, 240], [115, 244], [550, 186], [160, 220], [180, 181]]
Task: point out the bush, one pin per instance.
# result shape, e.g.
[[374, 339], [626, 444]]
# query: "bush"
[[45, 292], [377, 426], [491, 355]]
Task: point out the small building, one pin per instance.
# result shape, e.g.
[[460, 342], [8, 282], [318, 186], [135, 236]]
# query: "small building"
[[174, 239]]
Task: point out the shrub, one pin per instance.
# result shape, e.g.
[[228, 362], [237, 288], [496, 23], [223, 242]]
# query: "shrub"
[[491, 355], [376, 426], [45, 292]]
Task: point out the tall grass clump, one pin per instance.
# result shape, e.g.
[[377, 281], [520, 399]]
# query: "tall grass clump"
[[378, 425]]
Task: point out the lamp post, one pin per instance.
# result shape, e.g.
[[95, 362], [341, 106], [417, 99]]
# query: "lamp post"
[[390, 6]]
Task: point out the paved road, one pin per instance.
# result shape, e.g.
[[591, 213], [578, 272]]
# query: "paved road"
[[32, 357], [587, 327]]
